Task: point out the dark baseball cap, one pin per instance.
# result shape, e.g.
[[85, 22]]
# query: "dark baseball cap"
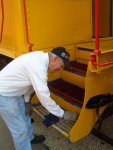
[[63, 54]]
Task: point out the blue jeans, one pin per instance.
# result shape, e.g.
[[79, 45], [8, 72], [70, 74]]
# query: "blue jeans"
[[12, 109]]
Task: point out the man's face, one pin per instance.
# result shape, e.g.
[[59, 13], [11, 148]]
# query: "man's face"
[[56, 64]]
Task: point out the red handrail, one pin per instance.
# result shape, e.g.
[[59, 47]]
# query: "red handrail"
[[97, 26], [26, 27], [94, 62], [2, 21]]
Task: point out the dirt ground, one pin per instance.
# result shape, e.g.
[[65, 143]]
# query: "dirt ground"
[[56, 141]]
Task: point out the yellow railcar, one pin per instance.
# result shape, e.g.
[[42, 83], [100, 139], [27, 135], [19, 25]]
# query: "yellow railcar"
[[27, 26]]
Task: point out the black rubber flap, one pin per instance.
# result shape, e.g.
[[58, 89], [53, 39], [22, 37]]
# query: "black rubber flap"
[[99, 100]]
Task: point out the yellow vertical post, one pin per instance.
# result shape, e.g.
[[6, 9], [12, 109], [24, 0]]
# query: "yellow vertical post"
[[20, 35]]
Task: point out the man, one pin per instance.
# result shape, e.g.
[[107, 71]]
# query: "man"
[[18, 80]]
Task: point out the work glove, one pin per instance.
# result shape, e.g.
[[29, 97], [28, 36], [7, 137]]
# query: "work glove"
[[50, 119], [28, 108], [70, 116]]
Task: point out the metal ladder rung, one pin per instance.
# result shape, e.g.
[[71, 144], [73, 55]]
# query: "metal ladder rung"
[[65, 124], [68, 123], [64, 128], [42, 112]]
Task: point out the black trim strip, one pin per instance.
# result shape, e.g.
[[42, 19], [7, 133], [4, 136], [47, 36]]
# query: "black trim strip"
[[76, 72], [85, 49]]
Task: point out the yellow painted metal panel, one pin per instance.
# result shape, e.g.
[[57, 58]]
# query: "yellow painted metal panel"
[[8, 40], [55, 22], [82, 54], [20, 28], [7, 52], [13, 41], [96, 83], [53, 76], [73, 78], [82, 61], [50, 24]]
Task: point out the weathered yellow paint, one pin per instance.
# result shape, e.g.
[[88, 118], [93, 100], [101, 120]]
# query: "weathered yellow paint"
[[8, 38], [7, 52], [53, 76], [20, 30], [73, 78], [50, 24], [82, 55], [13, 42], [54, 23], [96, 83]]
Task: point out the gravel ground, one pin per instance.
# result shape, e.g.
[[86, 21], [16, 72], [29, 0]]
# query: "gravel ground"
[[56, 141]]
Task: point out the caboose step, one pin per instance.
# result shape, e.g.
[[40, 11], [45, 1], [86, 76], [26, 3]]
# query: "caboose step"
[[83, 50], [77, 68], [68, 91], [76, 74]]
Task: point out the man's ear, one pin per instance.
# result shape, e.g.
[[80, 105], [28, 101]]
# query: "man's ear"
[[55, 58]]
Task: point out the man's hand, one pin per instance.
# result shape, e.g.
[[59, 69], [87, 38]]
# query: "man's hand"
[[28, 108], [71, 116], [50, 119]]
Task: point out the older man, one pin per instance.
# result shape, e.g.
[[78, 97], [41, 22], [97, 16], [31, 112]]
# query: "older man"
[[18, 80]]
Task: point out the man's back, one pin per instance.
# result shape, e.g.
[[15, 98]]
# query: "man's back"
[[15, 77]]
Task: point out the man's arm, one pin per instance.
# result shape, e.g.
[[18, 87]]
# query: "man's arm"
[[27, 98], [38, 79], [29, 94]]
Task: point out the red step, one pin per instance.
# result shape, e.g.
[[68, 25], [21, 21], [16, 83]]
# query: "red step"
[[67, 91], [77, 67]]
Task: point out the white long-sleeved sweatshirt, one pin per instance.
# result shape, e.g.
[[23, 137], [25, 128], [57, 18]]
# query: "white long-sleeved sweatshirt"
[[24, 75]]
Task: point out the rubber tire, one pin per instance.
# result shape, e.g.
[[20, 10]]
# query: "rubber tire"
[[6, 141]]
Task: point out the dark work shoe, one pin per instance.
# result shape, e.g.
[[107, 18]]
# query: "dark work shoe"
[[38, 139], [32, 120]]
